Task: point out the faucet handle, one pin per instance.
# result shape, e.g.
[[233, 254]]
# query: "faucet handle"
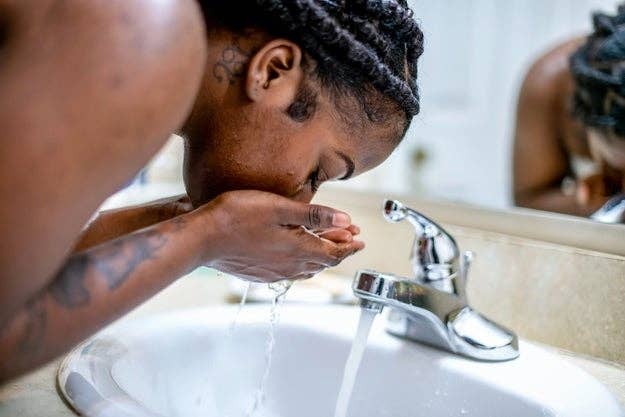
[[435, 255], [394, 211]]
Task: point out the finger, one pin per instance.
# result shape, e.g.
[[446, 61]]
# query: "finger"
[[354, 230], [358, 245], [338, 236], [311, 216], [335, 253], [312, 248]]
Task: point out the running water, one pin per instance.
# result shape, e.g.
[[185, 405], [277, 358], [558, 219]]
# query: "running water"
[[207, 399], [279, 289], [353, 361], [235, 321]]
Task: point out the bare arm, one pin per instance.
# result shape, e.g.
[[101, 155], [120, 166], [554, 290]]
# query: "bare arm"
[[90, 91], [250, 234], [93, 288], [110, 224]]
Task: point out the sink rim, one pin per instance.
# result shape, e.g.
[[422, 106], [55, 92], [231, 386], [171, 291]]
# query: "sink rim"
[[342, 322]]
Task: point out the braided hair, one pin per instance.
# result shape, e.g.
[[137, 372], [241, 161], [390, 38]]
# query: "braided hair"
[[357, 45], [598, 68]]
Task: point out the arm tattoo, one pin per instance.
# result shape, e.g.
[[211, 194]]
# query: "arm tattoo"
[[68, 288], [123, 257], [231, 65], [115, 262], [35, 326]]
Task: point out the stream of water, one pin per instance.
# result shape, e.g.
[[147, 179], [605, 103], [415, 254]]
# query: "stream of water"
[[353, 361], [235, 321], [279, 289]]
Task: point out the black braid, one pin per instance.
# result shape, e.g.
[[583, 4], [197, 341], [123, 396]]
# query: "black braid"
[[354, 43], [598, 69]]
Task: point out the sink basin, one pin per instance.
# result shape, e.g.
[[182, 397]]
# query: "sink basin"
[[190, 363]]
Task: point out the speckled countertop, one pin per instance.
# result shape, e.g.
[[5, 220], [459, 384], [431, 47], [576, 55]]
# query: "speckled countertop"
[[35, 395]]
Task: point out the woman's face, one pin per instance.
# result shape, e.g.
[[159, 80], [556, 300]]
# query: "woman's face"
[[251, 147], [607, 148]]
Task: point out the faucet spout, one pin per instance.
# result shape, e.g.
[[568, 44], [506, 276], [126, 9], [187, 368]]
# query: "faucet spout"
[[432, 306]]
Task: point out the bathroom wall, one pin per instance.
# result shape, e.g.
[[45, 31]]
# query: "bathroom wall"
[[560, 295], [565, 295]]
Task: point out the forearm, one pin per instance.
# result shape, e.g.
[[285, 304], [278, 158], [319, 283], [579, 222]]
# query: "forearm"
[[111, 224], [93, 288], [553, 200]]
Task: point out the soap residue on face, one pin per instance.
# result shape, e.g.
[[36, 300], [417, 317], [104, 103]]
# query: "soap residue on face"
[[353, 361], [279, 289]]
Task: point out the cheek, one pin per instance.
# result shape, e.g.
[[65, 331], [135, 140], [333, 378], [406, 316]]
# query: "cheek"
[[278, 165], [262, 153], [292, 161]]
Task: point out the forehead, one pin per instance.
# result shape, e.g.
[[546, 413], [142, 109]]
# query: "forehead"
[[368, 143], [369, 116]]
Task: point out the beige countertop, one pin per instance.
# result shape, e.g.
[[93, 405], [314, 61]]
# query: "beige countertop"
[[35, 394]]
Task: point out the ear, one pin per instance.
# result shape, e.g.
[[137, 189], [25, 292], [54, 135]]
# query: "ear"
[[275, 73]]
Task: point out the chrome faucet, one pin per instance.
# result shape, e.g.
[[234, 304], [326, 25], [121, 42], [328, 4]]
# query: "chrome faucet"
[[431, 307]]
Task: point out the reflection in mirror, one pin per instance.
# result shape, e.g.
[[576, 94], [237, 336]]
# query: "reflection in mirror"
[[503, 123]]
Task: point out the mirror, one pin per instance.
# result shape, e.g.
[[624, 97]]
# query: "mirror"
[[462, 146]]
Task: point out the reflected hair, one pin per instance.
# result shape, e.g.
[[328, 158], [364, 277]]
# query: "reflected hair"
[[598, 69]]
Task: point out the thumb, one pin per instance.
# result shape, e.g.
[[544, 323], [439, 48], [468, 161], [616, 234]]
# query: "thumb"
[[312, 216]]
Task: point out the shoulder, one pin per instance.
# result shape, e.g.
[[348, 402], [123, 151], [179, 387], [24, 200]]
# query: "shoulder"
[[549, 76], [137, 30], [114, 34], [132, 15], [116, 62], [103, 82]]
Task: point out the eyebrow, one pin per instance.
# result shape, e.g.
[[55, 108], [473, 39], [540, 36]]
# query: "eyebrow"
[[349, 165]]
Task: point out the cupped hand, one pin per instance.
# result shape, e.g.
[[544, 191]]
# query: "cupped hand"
[[594, 191], [264, 237]]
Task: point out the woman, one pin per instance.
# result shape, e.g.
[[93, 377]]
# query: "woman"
[[558, 162], [273, 97]]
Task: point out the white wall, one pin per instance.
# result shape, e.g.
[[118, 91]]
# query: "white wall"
[[477, 52]]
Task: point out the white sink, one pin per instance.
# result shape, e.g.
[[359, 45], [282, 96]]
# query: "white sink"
[[187, 364]]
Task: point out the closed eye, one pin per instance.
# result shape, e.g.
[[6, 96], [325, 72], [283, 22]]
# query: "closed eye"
[[350, 167]]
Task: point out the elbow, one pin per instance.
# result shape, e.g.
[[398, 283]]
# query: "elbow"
[[525, 198]]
